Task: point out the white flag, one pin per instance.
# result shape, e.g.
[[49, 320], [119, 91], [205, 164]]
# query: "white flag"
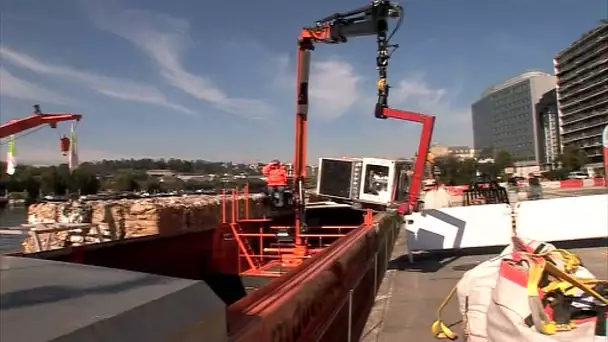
[[73, 153], [11, 162]]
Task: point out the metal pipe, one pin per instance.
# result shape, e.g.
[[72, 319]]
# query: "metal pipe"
[[247, 201], [290, 249], [350, 315], [318, 227], [236, 204], [260, 272], [241, 245], [302, 235], [257, 220], [261, 240], [232, 206], [302, 79], [223, 205], [257, 235], [261, 256]]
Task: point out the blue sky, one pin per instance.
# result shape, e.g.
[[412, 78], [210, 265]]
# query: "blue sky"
[[215, 79]]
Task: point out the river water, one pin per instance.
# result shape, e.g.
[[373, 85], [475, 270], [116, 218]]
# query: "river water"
[[12, 217]]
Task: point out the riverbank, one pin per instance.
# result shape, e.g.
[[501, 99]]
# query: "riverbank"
[[12, 217]]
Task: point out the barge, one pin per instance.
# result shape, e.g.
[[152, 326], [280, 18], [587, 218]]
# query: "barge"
[[97, 290], [309, 272], [198, 285]]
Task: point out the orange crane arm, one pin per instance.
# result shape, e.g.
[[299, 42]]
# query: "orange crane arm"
[[370, 20], [36, 119]]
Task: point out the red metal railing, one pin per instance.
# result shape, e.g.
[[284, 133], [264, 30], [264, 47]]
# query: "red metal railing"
[[260, 247]]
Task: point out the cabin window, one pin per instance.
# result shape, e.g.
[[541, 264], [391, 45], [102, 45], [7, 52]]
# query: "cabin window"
[[403, 185], [376, 179]]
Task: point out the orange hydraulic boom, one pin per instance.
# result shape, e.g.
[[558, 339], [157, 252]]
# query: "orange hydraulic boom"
[[338, 28], [293, 240], [310, 300]]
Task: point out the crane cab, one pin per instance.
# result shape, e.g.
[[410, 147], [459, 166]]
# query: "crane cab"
[[373, 183]]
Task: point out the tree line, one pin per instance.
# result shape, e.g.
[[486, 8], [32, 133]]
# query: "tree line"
[[176, 165], [454, 171], [122, 176], [130, 175]]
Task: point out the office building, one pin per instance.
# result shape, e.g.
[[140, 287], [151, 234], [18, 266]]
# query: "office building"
[[548, 129], [505, 117], [458, 152], [582, 92], [438, 150], [461, 152]]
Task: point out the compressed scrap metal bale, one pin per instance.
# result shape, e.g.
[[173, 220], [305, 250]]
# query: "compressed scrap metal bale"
[[127, 218], [43, 212]]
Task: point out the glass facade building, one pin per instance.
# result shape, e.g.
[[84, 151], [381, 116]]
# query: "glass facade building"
[[505, 117]]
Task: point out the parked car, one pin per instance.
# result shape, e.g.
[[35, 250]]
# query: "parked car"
[[578, 175]]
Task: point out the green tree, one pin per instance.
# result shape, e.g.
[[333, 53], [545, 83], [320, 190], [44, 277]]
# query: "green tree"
[[84, 182], [194, 184], [491, 170], [151, 185], [467, 169], [51, 182], [124, 181], [455, 171], [172, 184], [556, 174], [572, 159], [26, 178], [504, 159]]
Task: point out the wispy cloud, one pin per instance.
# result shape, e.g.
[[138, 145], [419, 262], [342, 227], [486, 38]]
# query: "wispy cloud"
[[334, 85], [123, 89], [453, 121], [15, 87], [416, 94], [165, 39], [336, 89]]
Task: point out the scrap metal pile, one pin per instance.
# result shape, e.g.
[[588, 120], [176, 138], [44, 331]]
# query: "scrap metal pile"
[[132, 218]]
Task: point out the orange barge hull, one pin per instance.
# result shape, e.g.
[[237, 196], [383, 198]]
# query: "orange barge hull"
[[325, 298]]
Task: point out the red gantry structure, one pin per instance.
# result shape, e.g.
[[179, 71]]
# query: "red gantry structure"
[[36, 119]]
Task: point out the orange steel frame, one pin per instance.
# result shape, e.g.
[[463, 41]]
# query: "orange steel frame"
[[306, 39], [269, 258], [335, 29]]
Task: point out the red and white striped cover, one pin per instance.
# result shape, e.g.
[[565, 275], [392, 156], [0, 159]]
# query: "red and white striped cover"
[[564, 184]]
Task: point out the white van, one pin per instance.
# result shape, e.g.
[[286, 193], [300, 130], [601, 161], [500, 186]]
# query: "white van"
[[578, 175]]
